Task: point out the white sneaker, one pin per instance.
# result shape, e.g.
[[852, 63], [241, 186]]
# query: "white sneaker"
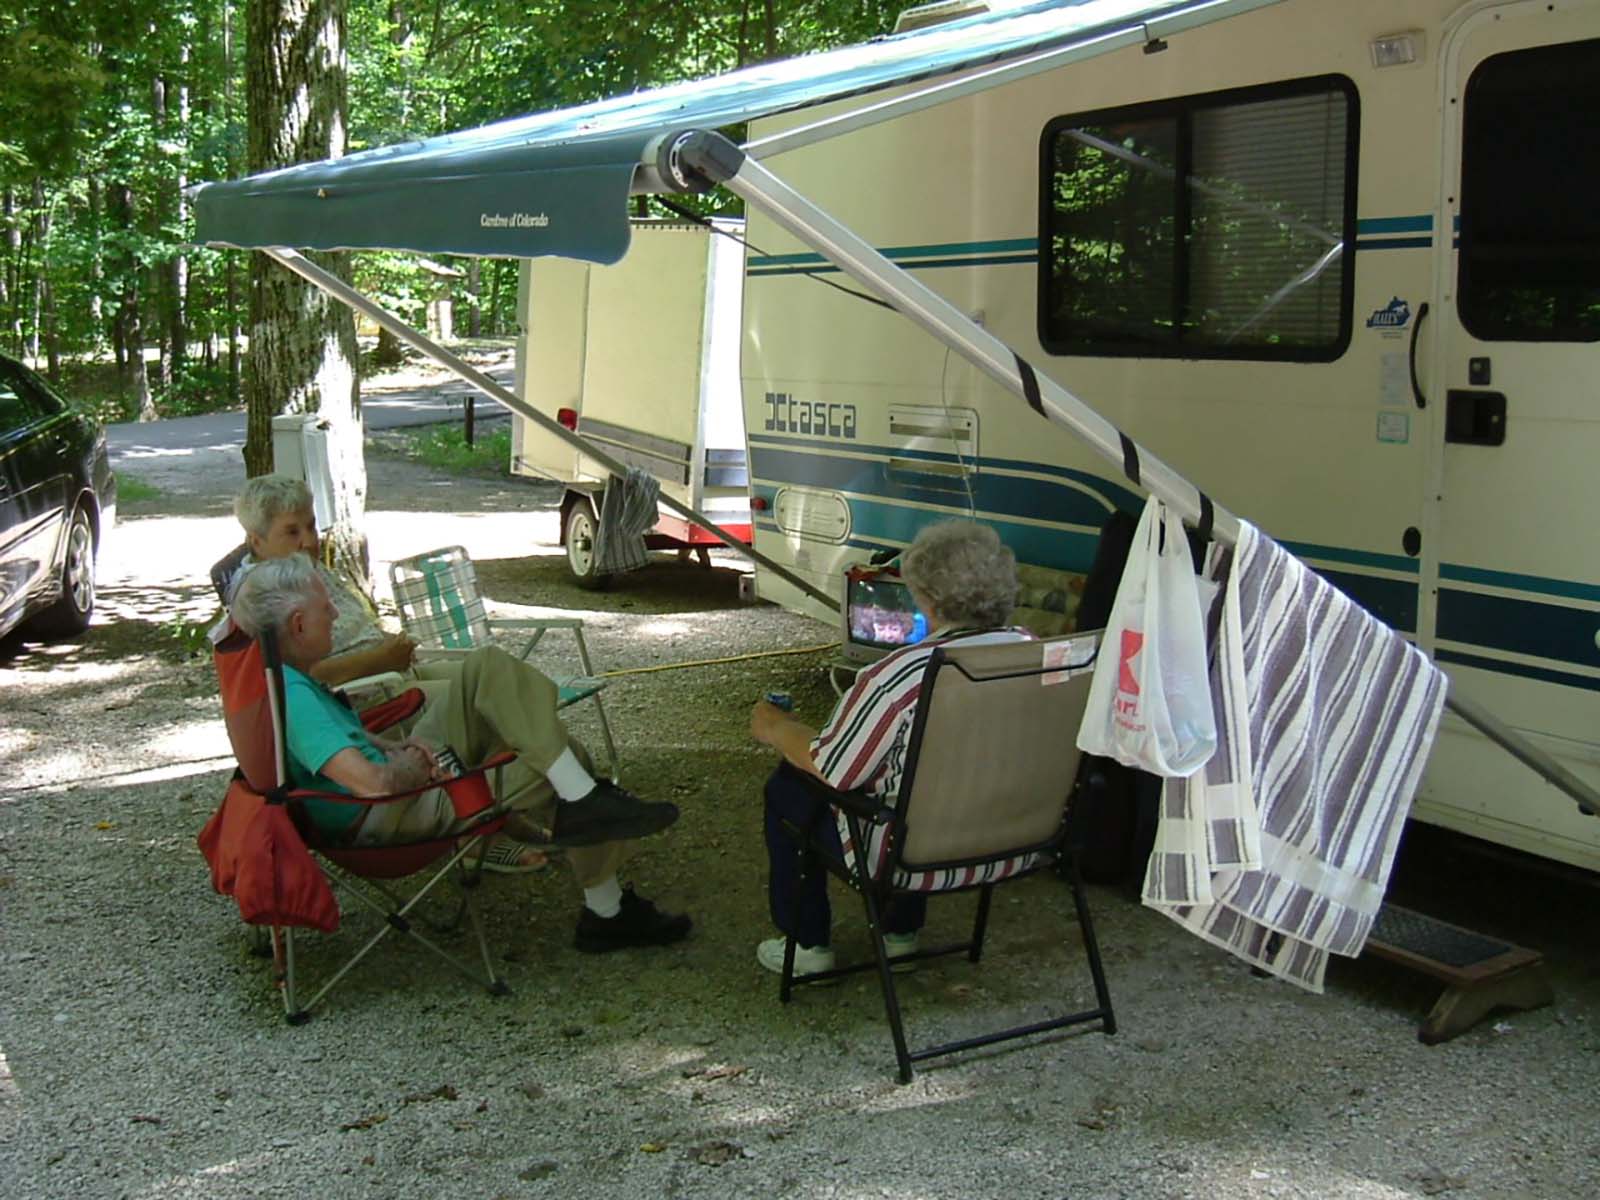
[[807, 959], [897, 944]]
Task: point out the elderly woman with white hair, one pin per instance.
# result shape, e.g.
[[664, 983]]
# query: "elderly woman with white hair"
[[964, 581], [490, 702]]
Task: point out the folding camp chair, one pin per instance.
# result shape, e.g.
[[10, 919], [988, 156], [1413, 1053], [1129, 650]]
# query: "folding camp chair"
[[989, 771], [264, 852], [441, 609]]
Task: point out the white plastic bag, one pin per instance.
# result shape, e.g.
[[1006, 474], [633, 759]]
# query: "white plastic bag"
[[1150, 701]]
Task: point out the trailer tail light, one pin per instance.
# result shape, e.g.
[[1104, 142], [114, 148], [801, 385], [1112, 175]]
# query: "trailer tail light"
[[567, 418], [759, 503]]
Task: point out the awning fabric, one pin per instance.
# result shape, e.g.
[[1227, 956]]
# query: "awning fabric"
[[557, 182]]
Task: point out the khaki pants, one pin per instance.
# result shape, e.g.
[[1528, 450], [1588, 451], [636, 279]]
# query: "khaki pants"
[[478, 705]]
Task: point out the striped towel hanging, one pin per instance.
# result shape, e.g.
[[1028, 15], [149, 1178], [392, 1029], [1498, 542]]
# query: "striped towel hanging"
[[627, 513], [1326, 717]]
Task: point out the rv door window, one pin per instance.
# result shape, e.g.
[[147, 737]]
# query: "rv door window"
[[1213, 226], [1530, 171]]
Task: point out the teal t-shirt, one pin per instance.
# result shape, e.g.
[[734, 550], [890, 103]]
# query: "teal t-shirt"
[[319, 727]]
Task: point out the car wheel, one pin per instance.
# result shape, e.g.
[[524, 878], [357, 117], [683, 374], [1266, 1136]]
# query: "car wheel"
[[71, 613], [578, 537]]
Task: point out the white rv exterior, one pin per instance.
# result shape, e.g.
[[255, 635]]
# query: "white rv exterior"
[[1286, 382], [643, 358]]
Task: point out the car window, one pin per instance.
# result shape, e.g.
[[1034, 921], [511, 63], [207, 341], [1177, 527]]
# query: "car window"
[[22, 400]]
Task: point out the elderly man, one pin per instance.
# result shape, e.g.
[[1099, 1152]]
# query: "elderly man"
[[964, 581], [276, 514], [329, 750]]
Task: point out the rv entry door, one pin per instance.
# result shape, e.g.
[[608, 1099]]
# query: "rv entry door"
[[1514, 394]]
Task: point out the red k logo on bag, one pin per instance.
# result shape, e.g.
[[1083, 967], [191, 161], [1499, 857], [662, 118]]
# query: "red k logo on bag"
[[1132, 643]]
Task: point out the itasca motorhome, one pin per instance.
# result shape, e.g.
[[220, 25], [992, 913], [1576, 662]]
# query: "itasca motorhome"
[[1330, 267], [1339, 264]]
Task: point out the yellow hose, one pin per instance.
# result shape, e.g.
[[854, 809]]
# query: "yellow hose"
[[709, 662]]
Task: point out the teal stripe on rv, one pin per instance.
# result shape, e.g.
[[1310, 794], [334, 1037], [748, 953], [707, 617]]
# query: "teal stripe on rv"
[[1026, 249], [1001, 246], [1374, 225], [1568, 588], [1524, 670], [1358, 558]]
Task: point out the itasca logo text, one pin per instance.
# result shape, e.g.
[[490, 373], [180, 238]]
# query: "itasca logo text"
[[785, 414]]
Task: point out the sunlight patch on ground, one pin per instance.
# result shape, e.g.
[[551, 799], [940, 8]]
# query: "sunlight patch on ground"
[[663, 628], [10, 1100], [1265, 1175]]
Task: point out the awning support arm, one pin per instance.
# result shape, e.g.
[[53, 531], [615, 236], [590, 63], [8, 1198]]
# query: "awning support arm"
[[716, 159], [342, 291]]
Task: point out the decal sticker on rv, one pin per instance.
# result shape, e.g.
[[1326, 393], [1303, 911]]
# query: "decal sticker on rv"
[[1392, 315], [1394, 427], [785, 414]]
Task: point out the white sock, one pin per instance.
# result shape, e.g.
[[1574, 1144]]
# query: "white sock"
[[604, 900], [568, 777]]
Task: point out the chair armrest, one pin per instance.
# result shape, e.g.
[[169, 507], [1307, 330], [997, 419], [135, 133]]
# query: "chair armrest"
[[308, 830], [442, 653], [391, 712], [383, 679], [859, 803]]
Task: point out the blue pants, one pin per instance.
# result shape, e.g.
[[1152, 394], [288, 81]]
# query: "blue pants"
[[805, 912]]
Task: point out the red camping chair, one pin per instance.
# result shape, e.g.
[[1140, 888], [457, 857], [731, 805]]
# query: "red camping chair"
[[265, 855]]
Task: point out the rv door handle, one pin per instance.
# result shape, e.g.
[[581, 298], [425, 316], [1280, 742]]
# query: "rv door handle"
[[1416, 329]]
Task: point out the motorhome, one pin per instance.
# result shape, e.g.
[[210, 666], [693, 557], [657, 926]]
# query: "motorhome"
[[1333, 268], [1339, 264]]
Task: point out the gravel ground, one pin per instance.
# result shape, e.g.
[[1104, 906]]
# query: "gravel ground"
[[143, 1052]]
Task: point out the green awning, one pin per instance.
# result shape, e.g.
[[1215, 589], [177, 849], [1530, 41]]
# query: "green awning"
[[558, 182]]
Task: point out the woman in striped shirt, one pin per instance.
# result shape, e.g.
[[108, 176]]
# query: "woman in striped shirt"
[[964, 581]]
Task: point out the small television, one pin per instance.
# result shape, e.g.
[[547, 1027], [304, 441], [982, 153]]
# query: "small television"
[[878, 614]]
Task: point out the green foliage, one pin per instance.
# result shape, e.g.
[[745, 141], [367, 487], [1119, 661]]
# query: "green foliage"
[[444, 447], [189, 638], [82, 130], [133, 490]]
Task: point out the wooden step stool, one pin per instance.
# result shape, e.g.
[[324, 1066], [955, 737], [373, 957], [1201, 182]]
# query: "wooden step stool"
[[1480, 973]]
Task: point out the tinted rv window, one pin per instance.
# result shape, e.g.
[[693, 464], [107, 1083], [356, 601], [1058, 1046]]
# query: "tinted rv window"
[[1213, 226], [1530, 174]]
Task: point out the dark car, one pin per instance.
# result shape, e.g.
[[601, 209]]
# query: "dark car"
[[57, 496]]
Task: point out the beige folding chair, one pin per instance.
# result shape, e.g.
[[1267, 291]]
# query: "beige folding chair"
[[441, 609], [989, 771]]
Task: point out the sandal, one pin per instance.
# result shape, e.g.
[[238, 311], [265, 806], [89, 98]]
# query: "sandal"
[[506, 856]]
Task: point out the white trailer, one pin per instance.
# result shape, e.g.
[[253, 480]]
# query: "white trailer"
[[1338, 264], [642, 359]]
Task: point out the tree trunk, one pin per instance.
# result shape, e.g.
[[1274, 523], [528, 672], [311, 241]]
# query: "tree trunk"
[[9, 277], [231, 270], [129, 326], [44, 306], [96, 268], [474, 307], [302, 356], [178, 266]]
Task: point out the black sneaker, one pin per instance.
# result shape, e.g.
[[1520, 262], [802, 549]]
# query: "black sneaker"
[[640, 923], [609, 814]]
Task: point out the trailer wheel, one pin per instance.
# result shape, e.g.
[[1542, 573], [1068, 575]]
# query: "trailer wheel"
[[578, 536]]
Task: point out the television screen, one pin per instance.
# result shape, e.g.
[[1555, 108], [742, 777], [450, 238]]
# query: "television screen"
[[879, 613]]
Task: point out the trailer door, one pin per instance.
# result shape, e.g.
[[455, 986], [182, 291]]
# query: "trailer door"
[[1514, 390]]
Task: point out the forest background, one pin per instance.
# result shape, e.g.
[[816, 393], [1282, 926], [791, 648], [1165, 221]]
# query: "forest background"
[[110, 109]]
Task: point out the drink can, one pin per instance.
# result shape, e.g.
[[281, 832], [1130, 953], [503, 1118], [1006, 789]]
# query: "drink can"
[[781, 700]]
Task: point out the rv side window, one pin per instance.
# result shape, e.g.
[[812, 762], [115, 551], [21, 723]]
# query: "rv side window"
[[1530, 174], [1214, 226]]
